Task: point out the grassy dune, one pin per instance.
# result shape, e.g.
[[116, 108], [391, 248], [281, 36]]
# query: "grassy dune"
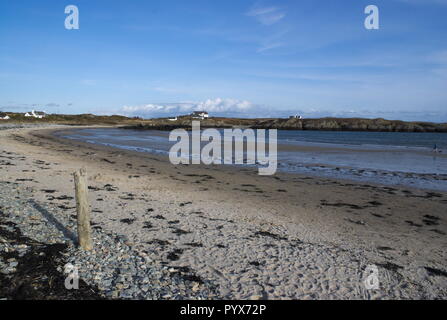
[[328, 124]]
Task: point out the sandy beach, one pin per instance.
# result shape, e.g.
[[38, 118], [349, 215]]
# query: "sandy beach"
[[286, 236]]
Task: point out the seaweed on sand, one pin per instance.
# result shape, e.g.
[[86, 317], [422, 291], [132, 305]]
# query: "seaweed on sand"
[[37, 276]]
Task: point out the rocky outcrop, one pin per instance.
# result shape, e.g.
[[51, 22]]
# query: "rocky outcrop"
[[324, 124]]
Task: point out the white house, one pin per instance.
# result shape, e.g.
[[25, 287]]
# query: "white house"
[[296, 117], [200, 115], [172, 119], [4, 116], [35, 114]]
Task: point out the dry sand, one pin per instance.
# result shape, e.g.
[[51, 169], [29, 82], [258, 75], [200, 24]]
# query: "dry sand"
[[279, 237]]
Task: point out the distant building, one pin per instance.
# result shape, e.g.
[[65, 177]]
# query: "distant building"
[[200, 115], [4, 116], [172, 119], [36, 114], [296, 117]]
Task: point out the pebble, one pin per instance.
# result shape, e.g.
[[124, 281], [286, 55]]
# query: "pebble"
[[114, 267]]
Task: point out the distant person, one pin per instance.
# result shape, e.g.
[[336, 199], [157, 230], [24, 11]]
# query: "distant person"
[[435, 149]]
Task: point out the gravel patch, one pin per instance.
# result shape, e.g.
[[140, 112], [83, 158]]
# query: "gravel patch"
[[34, 236]]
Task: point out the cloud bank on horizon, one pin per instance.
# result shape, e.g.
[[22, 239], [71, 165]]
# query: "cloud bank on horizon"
[[217, 106], [267, 58], [221, 107]]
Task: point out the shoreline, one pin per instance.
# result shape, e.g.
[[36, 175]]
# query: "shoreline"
[[292, 123], [354, 163], [280, 237]]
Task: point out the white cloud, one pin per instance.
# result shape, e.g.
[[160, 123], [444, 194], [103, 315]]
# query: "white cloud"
[[266, 15], [217, 106], [246, 109], [224, 105], [269, 47], [261, 11]]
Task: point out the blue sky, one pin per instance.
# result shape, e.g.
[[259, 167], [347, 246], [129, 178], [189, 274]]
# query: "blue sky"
[[235, 58]]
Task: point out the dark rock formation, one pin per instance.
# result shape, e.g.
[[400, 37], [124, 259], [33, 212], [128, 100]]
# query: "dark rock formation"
[[325, 124]]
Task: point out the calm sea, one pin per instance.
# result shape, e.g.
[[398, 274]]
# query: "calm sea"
[[392, 158]]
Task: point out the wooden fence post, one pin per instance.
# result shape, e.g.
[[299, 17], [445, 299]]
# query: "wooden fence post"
[[83, 210]]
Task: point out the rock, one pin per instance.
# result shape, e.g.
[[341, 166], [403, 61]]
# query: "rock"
[[196, 287], [145, 288]]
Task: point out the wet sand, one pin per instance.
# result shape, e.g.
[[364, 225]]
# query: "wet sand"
[[286, 236], [416, 167]]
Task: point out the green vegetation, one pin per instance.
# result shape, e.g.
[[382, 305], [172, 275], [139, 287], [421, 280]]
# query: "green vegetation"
[[327, 124], [81, 119]]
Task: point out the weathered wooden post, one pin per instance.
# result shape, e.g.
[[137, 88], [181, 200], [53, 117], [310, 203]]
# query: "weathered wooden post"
[[83, 209]]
